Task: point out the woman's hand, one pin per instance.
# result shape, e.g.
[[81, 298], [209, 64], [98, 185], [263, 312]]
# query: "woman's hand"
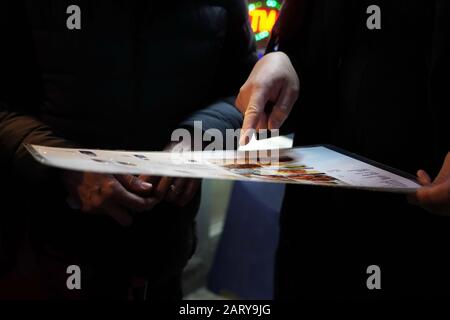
[[434, 195], [273, 79]]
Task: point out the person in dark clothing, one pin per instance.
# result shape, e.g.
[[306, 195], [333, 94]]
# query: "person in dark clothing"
[[133, 73], [380, 93]]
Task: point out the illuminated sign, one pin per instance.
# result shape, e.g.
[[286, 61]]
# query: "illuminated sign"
[[263, 15]]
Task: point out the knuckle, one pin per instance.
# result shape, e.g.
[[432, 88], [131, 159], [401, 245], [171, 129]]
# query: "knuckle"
[[109, 187], [252, 109], [295, 90], [258, 86], [97, 203]]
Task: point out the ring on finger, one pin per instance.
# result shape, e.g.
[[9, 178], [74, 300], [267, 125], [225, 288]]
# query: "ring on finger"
[[175, 190]]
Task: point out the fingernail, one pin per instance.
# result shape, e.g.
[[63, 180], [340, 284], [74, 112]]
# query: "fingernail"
[[242, 141], [146, 185]]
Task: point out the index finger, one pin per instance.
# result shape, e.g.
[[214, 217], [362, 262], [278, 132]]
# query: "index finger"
[[253, 111], [130, 200], [134, 184]]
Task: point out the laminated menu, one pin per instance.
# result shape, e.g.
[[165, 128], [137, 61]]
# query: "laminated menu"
[[320, 165]]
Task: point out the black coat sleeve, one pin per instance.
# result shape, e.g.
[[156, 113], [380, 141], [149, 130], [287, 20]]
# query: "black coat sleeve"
[[237, 60]]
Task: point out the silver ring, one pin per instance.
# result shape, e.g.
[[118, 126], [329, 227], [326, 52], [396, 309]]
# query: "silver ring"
[[174, 190]]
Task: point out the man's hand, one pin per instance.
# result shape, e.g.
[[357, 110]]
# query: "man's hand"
[[273, 79], [179, 191], [112, 195], [434, 195]]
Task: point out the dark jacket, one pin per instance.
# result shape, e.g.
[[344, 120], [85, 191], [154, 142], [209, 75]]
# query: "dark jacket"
[[135, 71], [381, 94]]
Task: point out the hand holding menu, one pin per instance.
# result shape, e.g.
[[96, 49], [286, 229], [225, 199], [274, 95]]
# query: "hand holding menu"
[[320, 165]]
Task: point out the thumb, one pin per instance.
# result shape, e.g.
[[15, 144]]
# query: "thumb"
[[133, 184], [423, 178]]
